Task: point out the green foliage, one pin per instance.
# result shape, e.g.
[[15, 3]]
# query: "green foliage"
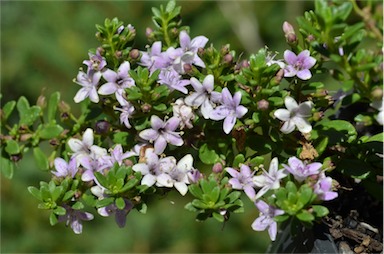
[[214, 199]]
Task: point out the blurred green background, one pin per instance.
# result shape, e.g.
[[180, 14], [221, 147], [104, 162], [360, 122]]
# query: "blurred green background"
[[43, 43]]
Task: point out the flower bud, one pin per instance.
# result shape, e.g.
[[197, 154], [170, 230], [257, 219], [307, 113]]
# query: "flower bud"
[[317, 116], [118, 54], [289, 32], [200, 51], [134, 54], [146, 108], [262, 105], [377, 93], [228, 58], [279, 76], [217, 168], [100, 50], [64, 107], [41, 101], [225, 50], [187, 68], [25, 137], [310, 38], [102, 127], [149, 32]]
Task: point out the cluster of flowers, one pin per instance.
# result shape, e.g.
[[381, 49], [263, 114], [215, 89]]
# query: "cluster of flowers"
[[88, 158], [162, 171], [302, 172]]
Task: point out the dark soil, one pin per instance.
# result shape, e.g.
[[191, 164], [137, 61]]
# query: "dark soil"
[[356, 219]]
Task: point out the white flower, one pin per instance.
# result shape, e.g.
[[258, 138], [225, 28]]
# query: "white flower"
[[184, 113], [269, 180], [177, 176], [295, 116], [378, 104], [81, 148]]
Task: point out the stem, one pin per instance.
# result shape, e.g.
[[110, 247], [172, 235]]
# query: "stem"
[[164, 26], [366, 15]]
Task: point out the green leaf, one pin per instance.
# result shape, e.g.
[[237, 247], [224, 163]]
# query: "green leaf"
[[199, 204], [160, 107], [338, 131], [6, 167], [142, 208], [12, 147], [60, 210], [52, 106], [35, 192], [281, 218], [306, 216], [214, 195], [7, 109], [170, 6], [320, 211], [56, 193], [291, 187], [78, 205], [256, 117], [41, 159], [53, 219], [121, 138], [120, 203], [378, 137], [218, 216], [51, 131], [190, 207], [207, 155], [28, 115], [69, 194], [104, 202], [238, 159], [195, 190], [305, 194], [351, 99]]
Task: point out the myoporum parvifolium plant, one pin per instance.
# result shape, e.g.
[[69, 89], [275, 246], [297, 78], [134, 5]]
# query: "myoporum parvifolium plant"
[[181, 115]]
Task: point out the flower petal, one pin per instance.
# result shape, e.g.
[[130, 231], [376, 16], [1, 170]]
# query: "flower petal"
[[160, 144], [156, 122], [108, 88], [304, 74], [172, 123], [290, 57], [181, 187], [229, 122], [290, 104], [282, 114], [208, 83], [149, 134], [302, 124], [288, 127]]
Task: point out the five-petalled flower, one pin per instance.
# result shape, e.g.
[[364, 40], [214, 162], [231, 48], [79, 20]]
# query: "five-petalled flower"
[[162, 133], [230, 110], [298, 65], [295, 115]]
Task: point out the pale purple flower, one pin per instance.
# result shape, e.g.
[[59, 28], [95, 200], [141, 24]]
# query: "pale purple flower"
[[97, 161], [298, 65], [270, 59], [74, 218], [243, 180], [295, 116], [120, 215], [117, 82], [118, 156], [162, 133], [154, 59], [173, 81], [81, 148], [230, 110], [127, 111], [64, 169], [269, 180], [89, 84], [204, 96], [149, 169], [266, 219], [177, 176], [300, 170], [190, 48], [323, 188], [184, 113], [95, 63]]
